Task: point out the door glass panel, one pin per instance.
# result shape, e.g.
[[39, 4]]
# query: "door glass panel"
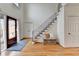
[[11, 29]]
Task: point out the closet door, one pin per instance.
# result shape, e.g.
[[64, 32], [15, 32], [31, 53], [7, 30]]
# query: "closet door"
[[73, 31], [11, 31]]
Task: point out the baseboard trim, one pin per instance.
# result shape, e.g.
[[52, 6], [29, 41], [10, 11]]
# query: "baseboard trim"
[[27, 37]]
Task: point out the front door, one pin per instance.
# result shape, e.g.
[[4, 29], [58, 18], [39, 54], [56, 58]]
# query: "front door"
[[73, 31], [11, 31]]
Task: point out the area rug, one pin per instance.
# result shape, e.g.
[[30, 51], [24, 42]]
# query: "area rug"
[[18, 47]]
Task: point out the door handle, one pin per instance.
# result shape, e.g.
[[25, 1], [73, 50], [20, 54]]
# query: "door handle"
[[69, 33]]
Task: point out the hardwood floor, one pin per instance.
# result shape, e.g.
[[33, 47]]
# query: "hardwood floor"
[[71, 51], [42, 50], [39, 49], [49, 50]]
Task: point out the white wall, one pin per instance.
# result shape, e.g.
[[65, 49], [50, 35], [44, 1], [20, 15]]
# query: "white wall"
[[60, 27], [72, 9], [52, 29], [37, 13]]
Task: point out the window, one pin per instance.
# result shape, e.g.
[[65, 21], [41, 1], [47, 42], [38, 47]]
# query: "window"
[[2, 33]]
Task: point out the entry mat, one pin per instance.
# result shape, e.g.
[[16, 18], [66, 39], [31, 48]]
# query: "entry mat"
[[18, 47]]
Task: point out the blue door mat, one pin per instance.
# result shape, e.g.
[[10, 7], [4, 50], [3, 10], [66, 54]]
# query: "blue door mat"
[[18, 47]]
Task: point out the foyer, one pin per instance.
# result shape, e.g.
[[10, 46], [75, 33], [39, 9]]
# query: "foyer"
[[33, 29]]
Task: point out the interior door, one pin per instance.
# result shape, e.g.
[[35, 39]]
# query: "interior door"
[[73, 31], [11, 31]]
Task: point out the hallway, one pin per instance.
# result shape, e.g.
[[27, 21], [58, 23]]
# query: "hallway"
[[32, 23], [39, 49]]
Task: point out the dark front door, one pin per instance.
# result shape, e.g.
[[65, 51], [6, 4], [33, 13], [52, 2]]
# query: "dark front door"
[[11, 31]]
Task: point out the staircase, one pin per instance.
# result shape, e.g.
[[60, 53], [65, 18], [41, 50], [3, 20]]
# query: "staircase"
[[38, 34]]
